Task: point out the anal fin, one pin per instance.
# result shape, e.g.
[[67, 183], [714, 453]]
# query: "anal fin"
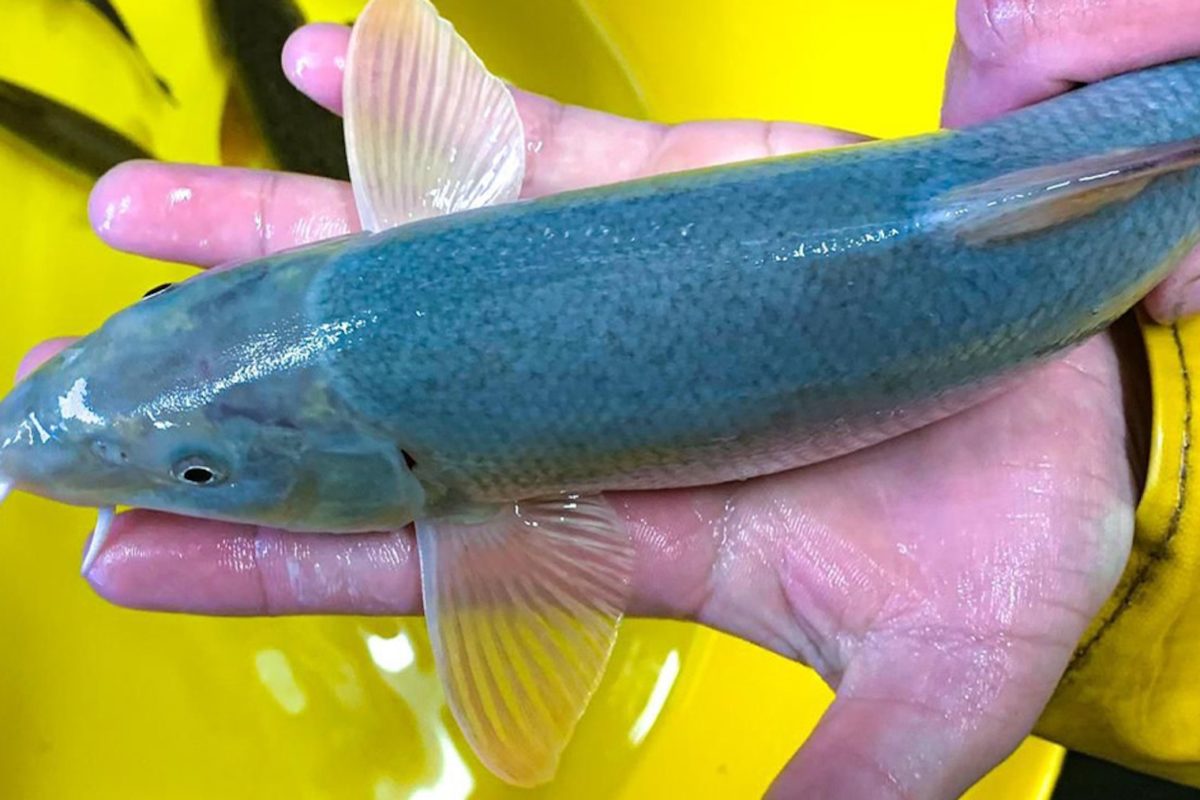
[[523, 610], [1041, 198]]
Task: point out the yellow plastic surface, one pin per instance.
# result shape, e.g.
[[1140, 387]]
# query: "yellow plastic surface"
[[1130, 696], [99, 702]]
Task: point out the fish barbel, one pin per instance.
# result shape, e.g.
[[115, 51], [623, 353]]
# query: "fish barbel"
[[486, 368]]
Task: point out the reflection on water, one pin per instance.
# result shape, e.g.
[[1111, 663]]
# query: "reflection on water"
[[375, 680], [455, 780], [416, 685], [658, 698], [630, 701], [276, 674], [393, 654]]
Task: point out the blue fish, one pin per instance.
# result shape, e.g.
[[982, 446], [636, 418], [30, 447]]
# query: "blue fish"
[[487, 367]]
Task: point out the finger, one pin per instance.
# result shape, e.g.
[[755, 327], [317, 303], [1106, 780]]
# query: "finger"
[[570, 147], [168, 563], [209, 215], [1179, 295], [1010, 53], [314, 60], [164, 562], [578, 147], [42, 353], [921, 721]]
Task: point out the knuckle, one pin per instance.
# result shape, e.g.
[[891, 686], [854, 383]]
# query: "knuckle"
[[268, 195], [998, 32], [261, 546]]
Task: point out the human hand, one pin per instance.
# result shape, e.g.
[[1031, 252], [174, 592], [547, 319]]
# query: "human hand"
[[940, 581]]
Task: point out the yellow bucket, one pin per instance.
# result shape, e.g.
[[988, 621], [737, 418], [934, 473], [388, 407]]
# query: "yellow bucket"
[[99, 702]]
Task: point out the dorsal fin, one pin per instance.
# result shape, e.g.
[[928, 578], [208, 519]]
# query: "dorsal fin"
[[429, 130], [1040, 198]]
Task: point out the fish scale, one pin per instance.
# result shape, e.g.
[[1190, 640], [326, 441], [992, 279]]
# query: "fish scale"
[[545, 346]]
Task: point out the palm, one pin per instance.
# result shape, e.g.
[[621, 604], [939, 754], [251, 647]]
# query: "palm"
[[940, 580], [943, 577], [1007, 522]]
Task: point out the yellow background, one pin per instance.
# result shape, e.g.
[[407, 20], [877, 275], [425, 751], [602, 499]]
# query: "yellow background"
[[99, 702]]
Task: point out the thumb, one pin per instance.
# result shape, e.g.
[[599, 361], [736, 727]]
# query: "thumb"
[[905, 725], [1179, 295]]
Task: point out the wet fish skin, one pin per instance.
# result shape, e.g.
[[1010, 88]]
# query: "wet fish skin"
[[302, 136], [744, 320], [676, 331], [64, 133]]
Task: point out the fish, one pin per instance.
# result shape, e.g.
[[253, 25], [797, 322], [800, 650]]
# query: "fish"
[[63, 133], [300, 135], [486, 368], [110, 13]]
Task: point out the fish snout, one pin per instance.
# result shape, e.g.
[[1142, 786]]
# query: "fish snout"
[[18, 431], [34, 449]]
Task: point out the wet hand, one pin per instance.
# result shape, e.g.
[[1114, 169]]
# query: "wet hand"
[[939, 581]]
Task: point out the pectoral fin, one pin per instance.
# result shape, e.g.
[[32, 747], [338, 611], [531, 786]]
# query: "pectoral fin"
[[429, 130], [523, 611], [1037, 199]]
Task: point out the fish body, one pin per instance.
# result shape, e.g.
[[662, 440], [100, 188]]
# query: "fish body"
[[488, 372], [301, 136], [726, 323], [681, 330], [64, 133]]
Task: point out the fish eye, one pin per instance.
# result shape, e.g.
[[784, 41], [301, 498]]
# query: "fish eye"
[[157, 290], [198, 471]]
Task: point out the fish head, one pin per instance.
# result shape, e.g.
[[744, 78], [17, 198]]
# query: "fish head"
[[205, 402]]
